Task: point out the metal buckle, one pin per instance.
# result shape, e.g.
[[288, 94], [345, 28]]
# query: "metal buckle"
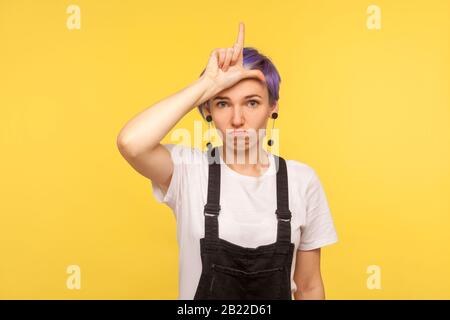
[[211, 209], [282, 215]]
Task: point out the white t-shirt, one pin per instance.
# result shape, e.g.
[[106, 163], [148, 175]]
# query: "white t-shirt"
[[247, 216]]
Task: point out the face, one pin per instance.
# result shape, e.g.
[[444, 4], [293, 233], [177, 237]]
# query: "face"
[[239, 112]]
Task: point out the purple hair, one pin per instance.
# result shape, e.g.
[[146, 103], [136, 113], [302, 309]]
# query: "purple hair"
[[254, 60]]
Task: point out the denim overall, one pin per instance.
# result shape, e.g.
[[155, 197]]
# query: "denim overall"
[[230, 271]]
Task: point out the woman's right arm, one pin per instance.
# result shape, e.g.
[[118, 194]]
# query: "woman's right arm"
[[139, 140]]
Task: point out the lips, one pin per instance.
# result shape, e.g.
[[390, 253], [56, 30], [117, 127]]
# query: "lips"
[[239, 133]]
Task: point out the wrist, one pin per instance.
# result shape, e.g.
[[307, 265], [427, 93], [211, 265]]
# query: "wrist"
[[208, 88]]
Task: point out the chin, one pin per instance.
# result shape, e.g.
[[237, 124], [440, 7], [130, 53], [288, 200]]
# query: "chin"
[[245, 146]]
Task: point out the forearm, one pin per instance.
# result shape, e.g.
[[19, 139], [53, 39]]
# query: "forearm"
[[314, 293], [145, 130]]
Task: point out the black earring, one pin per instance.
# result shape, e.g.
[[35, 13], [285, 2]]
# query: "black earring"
[[274, 115], [209, 144]]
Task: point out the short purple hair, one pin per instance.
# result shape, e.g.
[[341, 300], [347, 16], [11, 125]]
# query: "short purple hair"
[[254, 60]]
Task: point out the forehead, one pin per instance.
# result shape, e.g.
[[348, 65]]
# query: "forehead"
[[243, 88]]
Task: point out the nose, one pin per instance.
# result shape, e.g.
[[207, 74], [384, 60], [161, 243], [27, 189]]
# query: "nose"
[[238, 117]]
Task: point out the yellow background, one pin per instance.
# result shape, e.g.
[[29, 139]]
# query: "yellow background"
[[369, 110]]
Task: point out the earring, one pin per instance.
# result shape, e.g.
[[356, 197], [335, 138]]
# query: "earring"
[[209, 144], [274, 115]]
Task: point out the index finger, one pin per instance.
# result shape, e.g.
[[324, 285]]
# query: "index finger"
[[240, 39]]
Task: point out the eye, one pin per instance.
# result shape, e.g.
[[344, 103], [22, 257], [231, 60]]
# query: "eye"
[[220, 103], [256, 103]]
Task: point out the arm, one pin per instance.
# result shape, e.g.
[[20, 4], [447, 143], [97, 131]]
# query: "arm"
[[307, 276], [139, 140]]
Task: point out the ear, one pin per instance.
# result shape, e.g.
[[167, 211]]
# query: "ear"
[[274, 107], [205, 108]]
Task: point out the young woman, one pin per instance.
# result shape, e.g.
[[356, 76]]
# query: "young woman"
[[249, 227]]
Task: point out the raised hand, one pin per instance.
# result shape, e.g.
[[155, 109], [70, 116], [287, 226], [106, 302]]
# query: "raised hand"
[[225, 66]]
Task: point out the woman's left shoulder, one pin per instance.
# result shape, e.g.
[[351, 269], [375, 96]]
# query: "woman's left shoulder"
[[299, 170]]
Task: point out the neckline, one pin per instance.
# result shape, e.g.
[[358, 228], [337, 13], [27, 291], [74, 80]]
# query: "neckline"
[[266, 173]]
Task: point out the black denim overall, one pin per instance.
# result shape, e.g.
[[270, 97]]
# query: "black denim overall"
[[234, 272]]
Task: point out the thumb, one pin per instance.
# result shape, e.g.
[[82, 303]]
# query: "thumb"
[[254, 73]]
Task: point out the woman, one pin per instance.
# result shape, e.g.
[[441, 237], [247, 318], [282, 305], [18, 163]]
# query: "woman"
[[245, 231]]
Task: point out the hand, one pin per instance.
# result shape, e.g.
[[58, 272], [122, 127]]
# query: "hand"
[[225, 66]]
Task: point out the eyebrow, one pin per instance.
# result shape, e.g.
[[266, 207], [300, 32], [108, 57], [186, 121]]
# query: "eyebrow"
[[226, 98]]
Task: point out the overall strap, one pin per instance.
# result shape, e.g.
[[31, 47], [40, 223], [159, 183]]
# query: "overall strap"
[[283, 213], [212, 206]]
